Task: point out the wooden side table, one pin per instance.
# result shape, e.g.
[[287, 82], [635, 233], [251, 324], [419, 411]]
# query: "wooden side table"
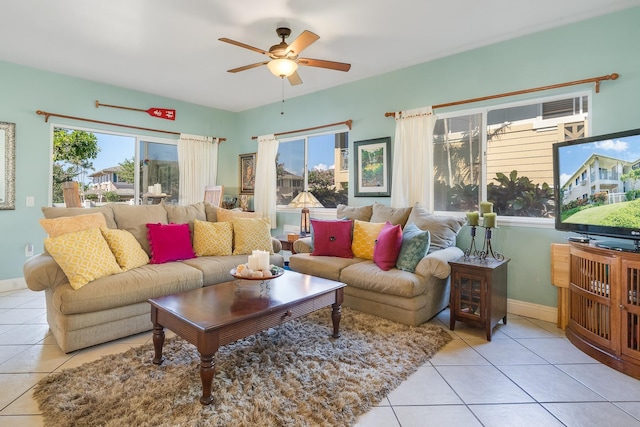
[[286, 244], [478, 292]]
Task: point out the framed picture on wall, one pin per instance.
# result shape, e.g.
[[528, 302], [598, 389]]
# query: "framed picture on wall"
[[247, 173], [372, 164]]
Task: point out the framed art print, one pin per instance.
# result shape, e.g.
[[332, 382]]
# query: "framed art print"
[[247, 173], [372, 164]]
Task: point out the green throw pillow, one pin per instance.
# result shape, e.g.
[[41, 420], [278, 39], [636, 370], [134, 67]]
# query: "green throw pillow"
[[415, 244]]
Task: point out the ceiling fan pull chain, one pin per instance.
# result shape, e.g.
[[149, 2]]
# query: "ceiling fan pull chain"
[[282, 106]]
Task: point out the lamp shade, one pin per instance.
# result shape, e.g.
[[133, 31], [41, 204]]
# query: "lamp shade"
[[304, 199], [282, 67]]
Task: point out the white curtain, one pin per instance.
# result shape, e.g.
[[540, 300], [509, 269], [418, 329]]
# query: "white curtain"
[[412, 158], [198, 165], [265, 194]]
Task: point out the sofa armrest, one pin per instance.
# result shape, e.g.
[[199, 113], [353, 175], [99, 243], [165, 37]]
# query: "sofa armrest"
[[302, 245], [437, 263], [277, 246], [42, 272]]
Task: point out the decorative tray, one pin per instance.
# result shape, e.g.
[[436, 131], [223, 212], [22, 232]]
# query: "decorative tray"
[[275, 271]]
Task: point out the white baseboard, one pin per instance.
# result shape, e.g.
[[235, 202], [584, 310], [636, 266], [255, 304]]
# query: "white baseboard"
[[12, 284], [535, 311]]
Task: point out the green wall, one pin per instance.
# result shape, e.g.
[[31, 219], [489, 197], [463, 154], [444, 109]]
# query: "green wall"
[[591, 48], [25, 90]]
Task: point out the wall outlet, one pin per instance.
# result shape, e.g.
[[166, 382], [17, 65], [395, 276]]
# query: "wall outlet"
[[28, 250], [31, 201]]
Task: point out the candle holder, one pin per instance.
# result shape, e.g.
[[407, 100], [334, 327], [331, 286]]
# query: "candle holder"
[[487, 249], [472, 250]]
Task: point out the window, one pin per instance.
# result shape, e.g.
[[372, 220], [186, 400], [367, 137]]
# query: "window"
[[104, 165], [504, 154], [317, 163]]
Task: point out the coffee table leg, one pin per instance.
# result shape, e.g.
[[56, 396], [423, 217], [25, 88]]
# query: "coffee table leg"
[[336, 315], [158, 342], [206, 375]]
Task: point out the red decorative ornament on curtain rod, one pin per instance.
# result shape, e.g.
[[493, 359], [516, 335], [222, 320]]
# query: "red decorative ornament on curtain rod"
[[161, 113]]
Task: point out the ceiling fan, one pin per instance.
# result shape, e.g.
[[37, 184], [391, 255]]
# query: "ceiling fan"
[[285, 57]]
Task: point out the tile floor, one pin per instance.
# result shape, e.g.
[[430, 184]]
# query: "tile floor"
[[529, 374]]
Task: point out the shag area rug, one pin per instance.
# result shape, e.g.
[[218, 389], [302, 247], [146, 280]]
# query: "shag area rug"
[[292, 375]]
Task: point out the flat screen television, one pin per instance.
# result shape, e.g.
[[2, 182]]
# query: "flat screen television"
[[597, 188]]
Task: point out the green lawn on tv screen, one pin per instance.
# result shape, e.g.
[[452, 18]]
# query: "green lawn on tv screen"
[[624, 214]]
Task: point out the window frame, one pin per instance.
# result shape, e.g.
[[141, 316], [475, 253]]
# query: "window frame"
[[322, 213], [483, 110], [139, 139]]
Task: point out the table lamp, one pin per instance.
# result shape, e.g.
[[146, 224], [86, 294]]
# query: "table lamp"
[[305, 200]]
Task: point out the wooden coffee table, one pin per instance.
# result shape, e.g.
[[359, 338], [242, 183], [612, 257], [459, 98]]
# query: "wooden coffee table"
[[217, 315]]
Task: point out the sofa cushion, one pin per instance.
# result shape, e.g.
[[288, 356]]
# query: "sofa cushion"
[[364, 238], [217, 269], [128, 252], [415, 244], [332, 238], [186, 214], [212, 238], [362, 213], [131, 287], [387, 246], [382, 213], [70, 224], [169, 242], [251, 234], [52, 212], [367, 275], [134, 219], [84, 256], [328, 267], [228, 215], [443, 229]]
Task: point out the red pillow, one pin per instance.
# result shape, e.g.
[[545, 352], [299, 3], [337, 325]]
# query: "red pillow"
[[387, 247], [332, 238], [169, 242]]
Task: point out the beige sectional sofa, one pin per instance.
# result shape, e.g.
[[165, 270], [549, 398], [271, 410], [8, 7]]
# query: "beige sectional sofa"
[[116, 306], [402, 296]]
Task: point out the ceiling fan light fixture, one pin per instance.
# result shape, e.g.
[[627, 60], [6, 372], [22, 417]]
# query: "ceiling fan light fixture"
[[282, 67]]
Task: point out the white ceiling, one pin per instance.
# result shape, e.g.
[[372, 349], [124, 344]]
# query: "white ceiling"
[[171, 48]]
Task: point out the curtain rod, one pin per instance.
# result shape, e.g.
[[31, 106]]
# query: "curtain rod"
[[595, 80], [47, 114], [348, 123]]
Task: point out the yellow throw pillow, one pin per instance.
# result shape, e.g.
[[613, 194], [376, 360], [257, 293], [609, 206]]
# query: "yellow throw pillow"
[[70, 224], [212, 238], [83, 256], [251, 234], [128, 252], [227, 215], [364, 238]]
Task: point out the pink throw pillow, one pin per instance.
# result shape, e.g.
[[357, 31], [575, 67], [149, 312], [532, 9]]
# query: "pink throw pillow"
[[169, 242], [332, 238], [387, 247]]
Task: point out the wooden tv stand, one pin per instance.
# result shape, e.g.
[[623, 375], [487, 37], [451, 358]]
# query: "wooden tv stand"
[[599, 302]]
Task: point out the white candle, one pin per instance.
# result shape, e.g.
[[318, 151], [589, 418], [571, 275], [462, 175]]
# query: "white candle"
[[157, 189], [253, 262], [263, 259], [151, 189]]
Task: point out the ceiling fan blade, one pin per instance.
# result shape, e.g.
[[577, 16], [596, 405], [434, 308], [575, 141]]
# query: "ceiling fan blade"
[[302, 42], [339, 66], [247, 67], [295, 79], [246, 46]]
